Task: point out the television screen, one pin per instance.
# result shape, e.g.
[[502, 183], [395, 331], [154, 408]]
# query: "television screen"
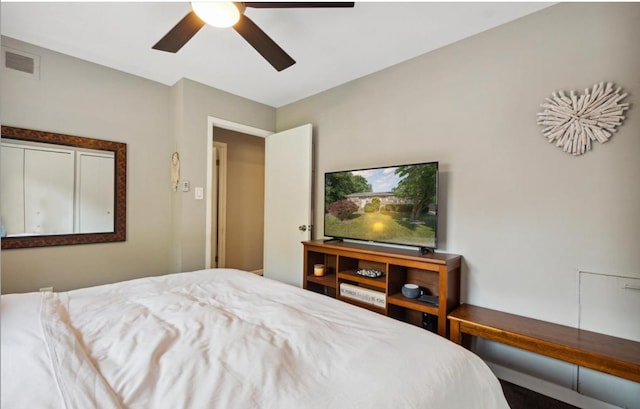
[[393, 204]]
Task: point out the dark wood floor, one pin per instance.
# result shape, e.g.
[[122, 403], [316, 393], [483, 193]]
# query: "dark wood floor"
[[521, 398]]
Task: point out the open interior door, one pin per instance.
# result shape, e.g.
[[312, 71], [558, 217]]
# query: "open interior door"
[[288, 215]]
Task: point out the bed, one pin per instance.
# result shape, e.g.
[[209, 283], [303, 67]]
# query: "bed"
[[224, 338]]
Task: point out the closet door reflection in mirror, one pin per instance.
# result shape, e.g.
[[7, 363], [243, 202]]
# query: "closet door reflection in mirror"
[[61, 189]]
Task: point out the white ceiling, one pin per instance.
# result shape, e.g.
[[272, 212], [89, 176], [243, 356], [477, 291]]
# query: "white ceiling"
[[331, 46]]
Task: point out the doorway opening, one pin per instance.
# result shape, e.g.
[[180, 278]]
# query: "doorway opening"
[[239, 217], [219, 233]]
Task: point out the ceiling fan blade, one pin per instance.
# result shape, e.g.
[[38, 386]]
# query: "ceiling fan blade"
[[301, 4], [179, 35], [263, 44]]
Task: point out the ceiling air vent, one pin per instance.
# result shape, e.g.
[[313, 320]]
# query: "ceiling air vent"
[[19, 61]]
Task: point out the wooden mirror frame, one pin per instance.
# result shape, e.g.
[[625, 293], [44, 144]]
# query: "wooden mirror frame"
[[120, 209]]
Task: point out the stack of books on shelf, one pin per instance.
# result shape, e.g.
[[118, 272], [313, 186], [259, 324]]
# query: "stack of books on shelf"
[[364, 295]]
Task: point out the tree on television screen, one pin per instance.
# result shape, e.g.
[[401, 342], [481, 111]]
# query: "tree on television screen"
[[342, 209], [417, 186], [340, 184]]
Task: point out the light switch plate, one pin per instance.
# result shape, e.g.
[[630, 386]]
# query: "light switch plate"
[[199, 192]]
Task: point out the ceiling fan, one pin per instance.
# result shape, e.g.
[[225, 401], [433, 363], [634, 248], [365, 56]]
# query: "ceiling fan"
[[230, 14]]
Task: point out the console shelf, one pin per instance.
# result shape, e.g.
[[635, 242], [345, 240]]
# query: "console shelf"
[[436, 273], [351, 275], [402, 301], [328, 280]]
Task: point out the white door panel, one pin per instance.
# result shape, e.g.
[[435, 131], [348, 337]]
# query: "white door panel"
[[12, 182], [95, 193], [609, 304], [48, 191], [288, 183]]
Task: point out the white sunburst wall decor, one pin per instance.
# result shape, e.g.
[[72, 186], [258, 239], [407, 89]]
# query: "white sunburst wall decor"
[[574, 121]]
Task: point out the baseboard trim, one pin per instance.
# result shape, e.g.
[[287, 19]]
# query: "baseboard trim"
[[258, 272], [547, 388]]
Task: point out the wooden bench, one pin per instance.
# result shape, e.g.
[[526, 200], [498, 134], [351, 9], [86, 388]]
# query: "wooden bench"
[[605, 353]]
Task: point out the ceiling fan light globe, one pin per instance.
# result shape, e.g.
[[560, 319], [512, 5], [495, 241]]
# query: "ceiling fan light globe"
[[217, 14]]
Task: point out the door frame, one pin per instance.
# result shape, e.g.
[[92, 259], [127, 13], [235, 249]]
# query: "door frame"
[[219, 196], [232, 126]]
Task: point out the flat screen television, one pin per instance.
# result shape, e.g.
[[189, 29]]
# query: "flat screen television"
[[391, 204]]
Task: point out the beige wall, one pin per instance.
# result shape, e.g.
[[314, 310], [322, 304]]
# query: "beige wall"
[[525, 215], [245, 198], [197, 103], [79, 98], [165, 230]]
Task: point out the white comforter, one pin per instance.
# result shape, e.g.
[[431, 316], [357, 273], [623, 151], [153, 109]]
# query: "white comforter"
[[225, 339]]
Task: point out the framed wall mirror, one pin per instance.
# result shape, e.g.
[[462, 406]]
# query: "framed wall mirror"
[[61, 189]]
